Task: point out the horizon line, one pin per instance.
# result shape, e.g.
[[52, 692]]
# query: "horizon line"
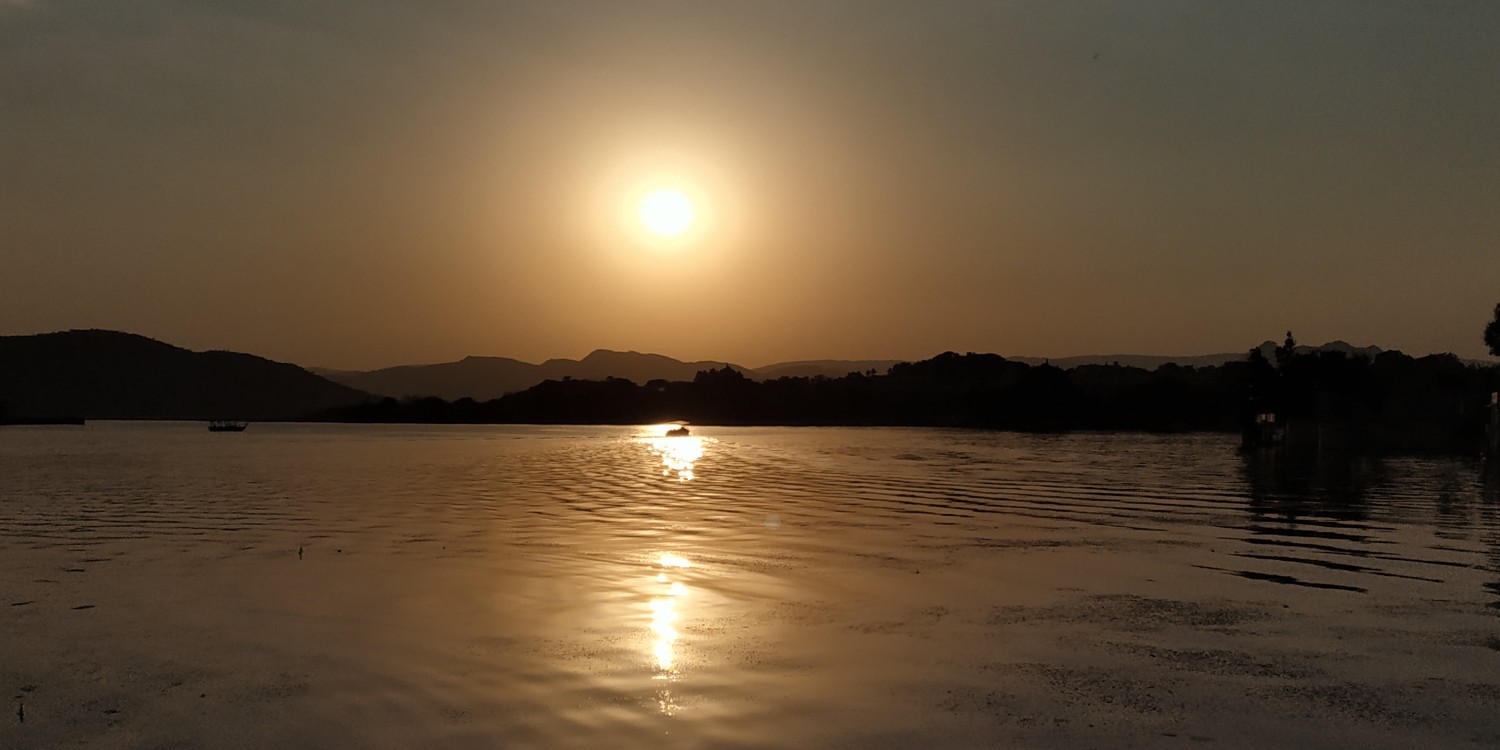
[[1012, 357]]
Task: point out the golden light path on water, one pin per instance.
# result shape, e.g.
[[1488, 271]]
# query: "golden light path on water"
[[678, 454], [664, 617]]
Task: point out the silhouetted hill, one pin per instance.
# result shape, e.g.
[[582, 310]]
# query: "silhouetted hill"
[[837, 368], [1320, 398], [1268, 349], [1142, 361], [1153, 361], [111, 375], [486, 378], [828, 368], [481, 378], [949, 390], [633, 366]]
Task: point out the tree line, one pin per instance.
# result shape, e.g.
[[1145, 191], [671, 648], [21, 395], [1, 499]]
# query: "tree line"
[[1389, 402]]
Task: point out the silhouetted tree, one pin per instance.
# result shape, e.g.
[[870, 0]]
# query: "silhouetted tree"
[[1286, 351], [1492, 333], [1263, 377], [724, 395]]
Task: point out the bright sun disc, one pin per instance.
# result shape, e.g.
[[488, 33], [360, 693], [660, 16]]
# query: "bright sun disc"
[[666, 212]]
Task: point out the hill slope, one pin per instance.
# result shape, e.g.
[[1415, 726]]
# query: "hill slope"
[[486, 378], [111, 375], [828, 368], [1153, 361]]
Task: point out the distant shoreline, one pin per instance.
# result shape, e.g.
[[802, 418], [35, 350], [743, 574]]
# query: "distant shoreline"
[[42, 421], [1334, 397]]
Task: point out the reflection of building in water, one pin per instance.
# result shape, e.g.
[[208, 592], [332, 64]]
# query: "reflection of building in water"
[[664, 618], [678, 454]]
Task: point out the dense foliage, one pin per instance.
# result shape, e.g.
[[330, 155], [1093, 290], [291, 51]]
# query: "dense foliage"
[[1391, 402]]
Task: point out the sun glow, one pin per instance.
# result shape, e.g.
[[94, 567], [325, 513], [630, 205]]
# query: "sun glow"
[[666, 212], [678, 207]]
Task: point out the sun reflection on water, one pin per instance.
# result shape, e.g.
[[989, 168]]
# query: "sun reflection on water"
[[664, 618], [678, 452]]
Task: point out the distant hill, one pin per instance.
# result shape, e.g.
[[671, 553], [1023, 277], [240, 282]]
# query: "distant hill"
[[632, 366], [486, 378], [111, 375], [1268, 348], [1143, 361], [829, 368], [1153, 361], [1391, 403], [480, 378]]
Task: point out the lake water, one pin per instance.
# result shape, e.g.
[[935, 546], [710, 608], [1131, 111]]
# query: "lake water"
[[496, 586]]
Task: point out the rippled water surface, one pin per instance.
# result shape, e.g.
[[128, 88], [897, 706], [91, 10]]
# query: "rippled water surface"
[[357, 586]]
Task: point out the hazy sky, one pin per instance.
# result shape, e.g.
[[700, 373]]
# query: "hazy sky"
[[361, 184]]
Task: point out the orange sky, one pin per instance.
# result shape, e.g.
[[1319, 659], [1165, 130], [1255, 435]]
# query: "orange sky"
[[367, 184]]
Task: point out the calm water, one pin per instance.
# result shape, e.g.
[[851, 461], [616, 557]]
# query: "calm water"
[[355, 586]]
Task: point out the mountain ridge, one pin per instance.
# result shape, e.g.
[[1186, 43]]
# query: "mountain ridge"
[[484, 378], [100, 374], [69, 374]]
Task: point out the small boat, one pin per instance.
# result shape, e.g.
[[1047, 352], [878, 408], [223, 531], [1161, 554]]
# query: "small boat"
[[225, 425], [679, 431]]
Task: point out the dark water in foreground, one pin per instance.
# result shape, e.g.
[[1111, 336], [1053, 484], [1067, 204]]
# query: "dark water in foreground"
[[358, 586]]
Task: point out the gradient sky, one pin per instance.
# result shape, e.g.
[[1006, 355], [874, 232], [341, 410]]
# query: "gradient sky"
[[363, 184]]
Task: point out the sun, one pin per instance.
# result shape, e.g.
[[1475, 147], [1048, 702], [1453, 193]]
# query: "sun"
[[666, 212]]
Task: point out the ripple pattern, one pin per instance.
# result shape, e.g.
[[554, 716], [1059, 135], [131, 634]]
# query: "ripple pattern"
[[556, 585]]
